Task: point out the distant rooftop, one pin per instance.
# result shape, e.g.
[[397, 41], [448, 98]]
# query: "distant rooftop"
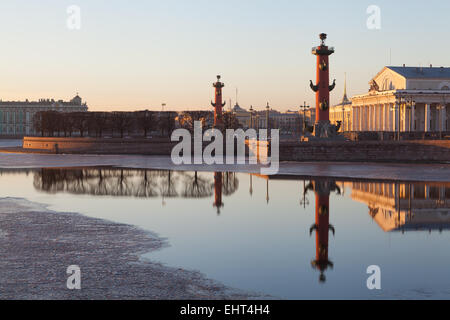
[[422, 72], [76, 101]]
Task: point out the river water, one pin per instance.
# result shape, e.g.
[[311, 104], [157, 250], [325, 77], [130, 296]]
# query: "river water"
[[281, 236]]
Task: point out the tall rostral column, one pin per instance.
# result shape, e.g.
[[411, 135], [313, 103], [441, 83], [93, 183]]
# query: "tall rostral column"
[[218, 105], [323, 128]]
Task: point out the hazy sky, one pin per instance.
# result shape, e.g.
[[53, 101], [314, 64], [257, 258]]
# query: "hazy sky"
[[137, 54]]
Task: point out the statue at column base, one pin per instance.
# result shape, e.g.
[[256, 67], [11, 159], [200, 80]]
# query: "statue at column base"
[[324, 131]]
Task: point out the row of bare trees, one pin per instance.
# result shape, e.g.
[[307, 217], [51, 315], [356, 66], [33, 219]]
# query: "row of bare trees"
[[100, 124], [121, 124], [187, 119]]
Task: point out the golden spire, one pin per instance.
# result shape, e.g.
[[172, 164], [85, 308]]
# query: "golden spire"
[[345, 98]]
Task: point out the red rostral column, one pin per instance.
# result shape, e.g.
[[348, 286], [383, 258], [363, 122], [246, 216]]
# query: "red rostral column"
[[218, 105], [322, 88]]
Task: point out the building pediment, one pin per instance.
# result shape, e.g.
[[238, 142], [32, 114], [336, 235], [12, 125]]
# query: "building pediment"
[[387, 80]]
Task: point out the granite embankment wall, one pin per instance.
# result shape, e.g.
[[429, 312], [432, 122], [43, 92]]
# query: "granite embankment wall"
[[155, 146], [358, 151], [368, 151]]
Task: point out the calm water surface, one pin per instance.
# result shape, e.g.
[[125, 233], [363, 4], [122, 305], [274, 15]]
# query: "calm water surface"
[[284, 237]]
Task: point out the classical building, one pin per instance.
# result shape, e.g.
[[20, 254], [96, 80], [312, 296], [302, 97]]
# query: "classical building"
[[16, 117], [342, 113], [404, 99]]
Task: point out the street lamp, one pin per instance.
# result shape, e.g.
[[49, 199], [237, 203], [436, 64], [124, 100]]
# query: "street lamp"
[[251, 117], [409, 104], [267, 119], [395, 108], [304, 107], [304, 201]]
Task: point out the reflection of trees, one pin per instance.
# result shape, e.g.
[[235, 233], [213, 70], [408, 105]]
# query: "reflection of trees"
[[230, 183], [196, 187], [167, 185], [98, 182], [130, 182]]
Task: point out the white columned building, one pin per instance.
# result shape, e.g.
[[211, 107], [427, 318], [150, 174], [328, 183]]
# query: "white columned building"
[[405, 99]]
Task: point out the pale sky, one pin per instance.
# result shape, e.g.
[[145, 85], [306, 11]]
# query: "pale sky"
[[132, 55]]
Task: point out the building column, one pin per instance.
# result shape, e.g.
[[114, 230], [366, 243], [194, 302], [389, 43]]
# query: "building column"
[[427, 117], [444, 118], [404, 113], [396, 116], [380, 117], [385, 118], [373, 118], [413, 117], [367, 118], [361, 118], [390, 115]]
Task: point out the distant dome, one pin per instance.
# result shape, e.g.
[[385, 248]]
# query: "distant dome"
[[77, 100], [237, 108]]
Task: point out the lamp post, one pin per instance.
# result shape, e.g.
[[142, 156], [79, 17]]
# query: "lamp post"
[[251, 117], [304, 107], [304, 201], [408, 106], [267, 119], [395, 108]]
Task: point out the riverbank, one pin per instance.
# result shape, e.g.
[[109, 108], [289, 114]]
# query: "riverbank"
[[38, 245], [404, 151], [336, 170]]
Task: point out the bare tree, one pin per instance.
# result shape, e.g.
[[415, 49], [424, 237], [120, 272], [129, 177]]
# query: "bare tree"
[[80, 122], [145, 121], [121, 121]]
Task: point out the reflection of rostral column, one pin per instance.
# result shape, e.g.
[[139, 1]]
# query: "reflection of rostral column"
[[322, 88], [218, 105], [322, 226], [218, 191]]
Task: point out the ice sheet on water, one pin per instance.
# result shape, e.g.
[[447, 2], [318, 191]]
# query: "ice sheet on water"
[[10, 143], [16, 205]]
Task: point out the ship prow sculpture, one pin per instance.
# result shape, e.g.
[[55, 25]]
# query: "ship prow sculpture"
[[323, 129]]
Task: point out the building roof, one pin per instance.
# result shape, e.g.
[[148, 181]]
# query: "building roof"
[[237, 108], [422, 72]]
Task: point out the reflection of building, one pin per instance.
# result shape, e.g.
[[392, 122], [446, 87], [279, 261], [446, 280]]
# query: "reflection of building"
[[16, 117], [405, 99], [400, 207]]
